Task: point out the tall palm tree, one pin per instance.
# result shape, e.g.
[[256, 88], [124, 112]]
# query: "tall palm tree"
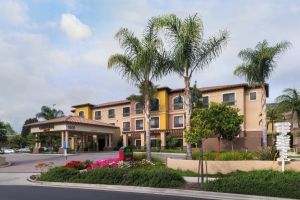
[[190, 53], [290, 102], [49, 113], [257, 67], [143, 62]]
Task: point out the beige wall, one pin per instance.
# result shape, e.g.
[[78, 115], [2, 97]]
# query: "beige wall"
[[2, 161], [253, 110], [118, 119], [225, 167]]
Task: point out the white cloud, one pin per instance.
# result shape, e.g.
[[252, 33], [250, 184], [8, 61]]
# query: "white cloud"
[[13, 12], [73, 27]]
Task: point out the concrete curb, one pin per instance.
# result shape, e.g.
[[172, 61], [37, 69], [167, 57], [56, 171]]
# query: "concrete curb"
[[156, 191]]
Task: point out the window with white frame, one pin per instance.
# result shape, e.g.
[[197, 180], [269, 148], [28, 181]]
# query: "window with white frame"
[[126, 111], [139, 124], [252, 96], [205, 101], [229, 99], [178, 121], [126, 126], [154, 105], [97, 115], [111, 113], [178, 103], [81, 113], [138, 108], [154, 122]]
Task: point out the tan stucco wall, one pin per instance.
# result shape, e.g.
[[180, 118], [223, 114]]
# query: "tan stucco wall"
[[225, 167], [253, 110], [2, 161]]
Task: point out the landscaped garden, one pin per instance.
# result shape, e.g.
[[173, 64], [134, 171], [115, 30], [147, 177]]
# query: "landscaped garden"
[[138, 172]]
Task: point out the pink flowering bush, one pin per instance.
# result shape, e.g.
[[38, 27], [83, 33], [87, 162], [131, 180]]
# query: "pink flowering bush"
[[110, 162]]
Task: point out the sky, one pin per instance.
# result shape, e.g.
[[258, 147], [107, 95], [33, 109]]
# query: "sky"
[[56, 51]]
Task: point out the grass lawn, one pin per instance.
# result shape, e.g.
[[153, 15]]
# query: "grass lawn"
[[264, 183]]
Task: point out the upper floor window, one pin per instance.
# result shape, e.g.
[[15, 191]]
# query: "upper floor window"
[[154, 105], [111, 113], [138, 108], [126, 126], [252, 96], [178, 103], [81, 113], [126, 111], [139, 124], [205, 101], [178, 121], [154, 122], [229, 99], [97, 115]]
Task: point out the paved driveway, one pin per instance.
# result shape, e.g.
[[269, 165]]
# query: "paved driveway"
[[26, 162]]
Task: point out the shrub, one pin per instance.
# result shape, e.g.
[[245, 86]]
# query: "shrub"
[[151, 177], [269, 153], [264, 182], [228, 155], [76, 164], [142, 156], [110, 162], [58, 174]]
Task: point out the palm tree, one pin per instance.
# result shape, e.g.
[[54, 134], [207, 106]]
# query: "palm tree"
[[49, 113], [143, 62], [190, 53], [290, 102], [257, 66]]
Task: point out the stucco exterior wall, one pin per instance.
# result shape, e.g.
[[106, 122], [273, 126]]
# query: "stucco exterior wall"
[[225, 167]]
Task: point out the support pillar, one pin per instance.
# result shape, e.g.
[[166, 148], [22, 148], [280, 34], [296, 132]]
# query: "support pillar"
[[72, 143], [163, 142], [125, 140], [61, 149], [142, 140], [37, 144], [110, 141]]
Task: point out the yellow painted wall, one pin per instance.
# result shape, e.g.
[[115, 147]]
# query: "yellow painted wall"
[[162, 95], [87, 112]]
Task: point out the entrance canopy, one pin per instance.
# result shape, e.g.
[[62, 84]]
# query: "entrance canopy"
[[81, 133]]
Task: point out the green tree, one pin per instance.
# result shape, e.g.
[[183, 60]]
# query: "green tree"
[[25, 129], [143, 62], [16, 141], [49, 113], [219, 119], [290, 102], [257, 67], [3, 132], [190, 53]]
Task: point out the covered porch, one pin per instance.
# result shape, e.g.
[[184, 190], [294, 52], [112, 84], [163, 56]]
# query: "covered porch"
[[76, 134]]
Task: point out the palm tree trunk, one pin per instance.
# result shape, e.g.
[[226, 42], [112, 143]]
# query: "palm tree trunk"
[[295, 123], [264, 116], [147, 117], [188, 113]]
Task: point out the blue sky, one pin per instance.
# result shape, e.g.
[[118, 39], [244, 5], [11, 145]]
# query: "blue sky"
[[56, 51]]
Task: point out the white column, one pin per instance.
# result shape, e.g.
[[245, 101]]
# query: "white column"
[[67, 138], [62, 139], [36, 141], [106, 140], [109, 140]]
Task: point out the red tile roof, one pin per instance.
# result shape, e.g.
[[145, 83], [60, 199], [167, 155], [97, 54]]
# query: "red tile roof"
[[72, 119], [114, 103]]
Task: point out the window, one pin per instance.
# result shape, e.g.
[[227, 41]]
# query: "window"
[[205, 101], [81, 114], [154, 122], [138, 143], [178, 103], [139, 124], [98, 115], [229, 99], [252, 96], [111, 113], [178, 121], [126, 126], [155, 143], [154, 105], [138, 108], [126, 111]]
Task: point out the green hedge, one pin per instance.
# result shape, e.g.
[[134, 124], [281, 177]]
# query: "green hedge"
[[228, 155], [263, 182], [151, 177]]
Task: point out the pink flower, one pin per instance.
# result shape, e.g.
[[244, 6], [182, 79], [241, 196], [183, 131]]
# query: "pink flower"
[[110, 162]]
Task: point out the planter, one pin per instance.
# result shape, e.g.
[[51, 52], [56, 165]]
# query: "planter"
[[225, 167]]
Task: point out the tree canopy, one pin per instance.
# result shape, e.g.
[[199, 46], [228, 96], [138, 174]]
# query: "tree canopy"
[[49, 113]]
